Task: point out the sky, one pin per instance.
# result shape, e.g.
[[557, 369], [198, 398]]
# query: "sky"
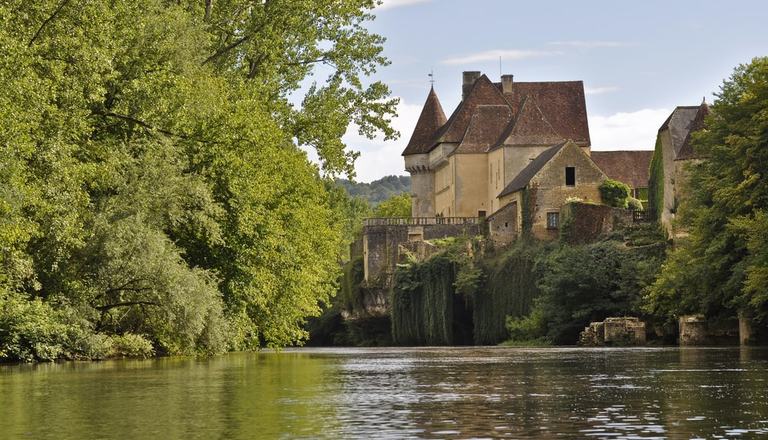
[[638, 60]]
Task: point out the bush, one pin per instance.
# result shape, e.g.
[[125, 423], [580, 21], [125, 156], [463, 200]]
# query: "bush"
[[635, 204], [614, 193], [131, 345], [30, 330]]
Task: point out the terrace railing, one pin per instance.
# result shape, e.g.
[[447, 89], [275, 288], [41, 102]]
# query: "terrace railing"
[[422, 221]]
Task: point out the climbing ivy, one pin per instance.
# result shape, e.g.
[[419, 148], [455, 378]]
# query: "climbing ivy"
[[656, 181]]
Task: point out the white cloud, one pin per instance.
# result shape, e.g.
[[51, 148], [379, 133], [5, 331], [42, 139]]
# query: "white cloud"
[[380, 158], [494, 55], [390, 4], [600, 90], [627, 130], [583, 44]]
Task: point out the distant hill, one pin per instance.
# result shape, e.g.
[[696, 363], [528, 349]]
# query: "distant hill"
[[378, 190]]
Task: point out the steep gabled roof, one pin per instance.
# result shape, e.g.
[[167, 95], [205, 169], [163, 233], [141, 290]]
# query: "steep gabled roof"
[[483, 92], [678, 124], [686, 150], [561, 102], [431, 119], [530, 127], [630, 167], [485, 127], [526, 174]]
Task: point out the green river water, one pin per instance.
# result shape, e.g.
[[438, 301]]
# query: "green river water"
[[396, 393]]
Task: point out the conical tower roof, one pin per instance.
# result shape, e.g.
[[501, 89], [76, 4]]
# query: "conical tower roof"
[[431, 119]]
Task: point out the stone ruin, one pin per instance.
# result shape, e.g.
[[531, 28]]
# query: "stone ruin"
[[621, 331]]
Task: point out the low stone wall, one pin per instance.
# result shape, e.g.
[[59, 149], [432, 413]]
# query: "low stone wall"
[[584, 222], [622, 331]]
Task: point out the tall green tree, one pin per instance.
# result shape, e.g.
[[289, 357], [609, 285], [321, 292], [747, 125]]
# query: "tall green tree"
[[153, 177], [721, 267]]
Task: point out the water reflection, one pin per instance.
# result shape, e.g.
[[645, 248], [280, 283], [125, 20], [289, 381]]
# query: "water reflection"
[[396, 393]]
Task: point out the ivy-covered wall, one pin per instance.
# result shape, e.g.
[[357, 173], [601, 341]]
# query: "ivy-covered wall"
[[656, 181], [508, 290], [422, 302]]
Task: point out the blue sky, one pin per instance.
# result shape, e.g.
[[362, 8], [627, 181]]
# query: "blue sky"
[[638, 60]]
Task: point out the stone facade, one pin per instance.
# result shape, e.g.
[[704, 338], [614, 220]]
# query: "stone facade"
[[545, 189], [584, 222], [382, 240], [503, 226], [676, 156]]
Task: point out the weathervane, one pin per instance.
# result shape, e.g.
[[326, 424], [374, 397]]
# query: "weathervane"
[[431, 76]]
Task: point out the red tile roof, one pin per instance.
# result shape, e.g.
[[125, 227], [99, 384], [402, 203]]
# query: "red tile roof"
[[431, 119], [530, 127], [561, 102], [630, 167], [487, 124], [543, 112]]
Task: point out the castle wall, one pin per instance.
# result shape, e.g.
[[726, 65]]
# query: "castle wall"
[[669, 204], [495, 178], [445, 203], [381, 243], [503, 225], [471, 189], [422, 185]]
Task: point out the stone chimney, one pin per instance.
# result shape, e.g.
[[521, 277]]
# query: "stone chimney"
[[506, 83], [468, 79]]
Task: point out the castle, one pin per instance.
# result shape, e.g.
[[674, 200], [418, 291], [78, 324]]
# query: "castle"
[[505, 145], [507, 163]]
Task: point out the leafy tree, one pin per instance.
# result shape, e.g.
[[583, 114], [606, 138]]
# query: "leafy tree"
[[378, 190], [720, 268], [395, 206], [581, 284], [153, 180]]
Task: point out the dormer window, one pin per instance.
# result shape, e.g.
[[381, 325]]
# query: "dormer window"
[[570, 176]]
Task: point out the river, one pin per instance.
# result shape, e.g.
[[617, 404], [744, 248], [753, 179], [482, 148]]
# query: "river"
[[395, 393]]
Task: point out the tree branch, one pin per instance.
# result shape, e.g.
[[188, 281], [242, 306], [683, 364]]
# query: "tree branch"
[[227, 48], [45, 23], [106, 307]]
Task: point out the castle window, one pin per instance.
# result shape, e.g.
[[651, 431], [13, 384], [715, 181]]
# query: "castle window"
[[481, 214], [553, 220], [570, 176]]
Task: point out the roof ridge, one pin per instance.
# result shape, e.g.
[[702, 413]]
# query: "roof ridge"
[[523, 178]]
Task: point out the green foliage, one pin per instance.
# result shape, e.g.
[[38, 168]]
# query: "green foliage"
[[30, 330], [131, 345], [656, 181], [154, 179], [719, 270], [614, 193], [523, 329], [395, 206], [581, 284], [350, 292], [508, 291], [634, 204], [378, 190], [422, 302]]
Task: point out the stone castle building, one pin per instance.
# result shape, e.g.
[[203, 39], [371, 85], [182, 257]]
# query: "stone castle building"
[[511, 148], [674, 153]]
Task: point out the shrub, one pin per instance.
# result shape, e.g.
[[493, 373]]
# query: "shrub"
[[614, 193], [131, 345], [635, 204], [30, 330]]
